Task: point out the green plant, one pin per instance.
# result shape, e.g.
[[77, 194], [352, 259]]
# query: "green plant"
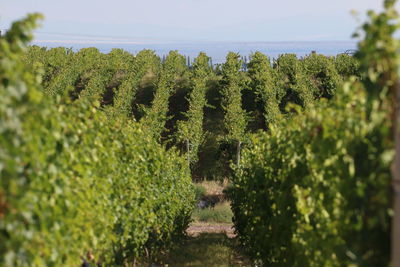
[[293, 85], [347, 66], [142, 63], [263, 82], [314, 191], [234, 116], [322, 74], [190, 131], [156, 115], [63, 163]]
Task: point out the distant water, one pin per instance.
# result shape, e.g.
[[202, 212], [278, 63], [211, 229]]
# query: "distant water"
[[218, 50]]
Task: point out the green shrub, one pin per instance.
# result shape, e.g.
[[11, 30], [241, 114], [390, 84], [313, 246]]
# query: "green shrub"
[[347, 65], [306, 191], [322, 75], [292, 82], [74, 180], [315, 190]]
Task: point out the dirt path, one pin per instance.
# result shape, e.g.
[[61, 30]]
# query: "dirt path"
[[197, 228], [211, 240]]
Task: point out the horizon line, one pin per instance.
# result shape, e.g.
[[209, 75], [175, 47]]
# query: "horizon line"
[[142, 42]]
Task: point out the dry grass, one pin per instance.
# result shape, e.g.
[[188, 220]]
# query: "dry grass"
[[214, 187], [197, 228]]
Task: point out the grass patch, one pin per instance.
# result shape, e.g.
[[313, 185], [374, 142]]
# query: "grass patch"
[[221, 213], [200, 191]]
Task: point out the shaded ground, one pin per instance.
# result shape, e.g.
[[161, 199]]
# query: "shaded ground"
[[207, 249], [209, 244]]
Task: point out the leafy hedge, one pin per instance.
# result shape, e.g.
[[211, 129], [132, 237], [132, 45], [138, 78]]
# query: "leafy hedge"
[[190, 130], [72, 180], [323, 75], [315, 189]]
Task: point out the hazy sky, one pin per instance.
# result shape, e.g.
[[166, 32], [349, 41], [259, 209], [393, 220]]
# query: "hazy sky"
[[191, 20]]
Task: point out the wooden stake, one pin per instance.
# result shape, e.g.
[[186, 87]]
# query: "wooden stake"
[[396, 180], [238, 153], [188, 151]]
